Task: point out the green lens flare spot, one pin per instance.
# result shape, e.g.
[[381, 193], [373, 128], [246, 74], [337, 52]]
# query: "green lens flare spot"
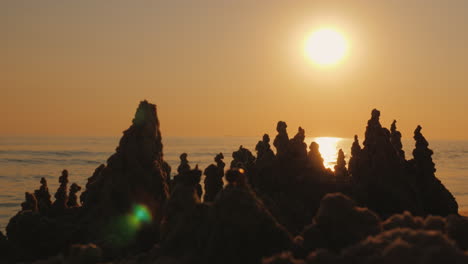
[[142, 214]]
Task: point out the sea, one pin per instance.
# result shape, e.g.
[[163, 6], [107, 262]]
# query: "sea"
[[24, 160]]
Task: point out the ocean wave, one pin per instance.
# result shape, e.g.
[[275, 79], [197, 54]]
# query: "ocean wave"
[[50, 161], [29, 161], [60, 153], [39, 176], [9, 205], [460, 193]]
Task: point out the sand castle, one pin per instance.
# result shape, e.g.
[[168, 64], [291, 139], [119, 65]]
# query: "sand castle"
[[275, 208]]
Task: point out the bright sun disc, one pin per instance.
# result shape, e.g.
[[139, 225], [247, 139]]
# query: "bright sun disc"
[[326, 47]]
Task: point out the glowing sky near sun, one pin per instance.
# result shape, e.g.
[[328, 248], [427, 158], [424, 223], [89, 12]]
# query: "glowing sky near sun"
[[231, 68]]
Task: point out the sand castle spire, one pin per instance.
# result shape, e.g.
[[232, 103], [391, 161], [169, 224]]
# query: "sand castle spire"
[[61, 196], [422, 153], [265, 155], [43, 196], [341, 172], [373, 129], [281, 141], [72, 197], [214, 178], [184, 164], [436, 198], [355, 151], [134, 174], [395, 138], [30, 203], [315, 158], [297, 146]]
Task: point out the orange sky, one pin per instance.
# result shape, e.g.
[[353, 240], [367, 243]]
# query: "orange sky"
[[235, 68]]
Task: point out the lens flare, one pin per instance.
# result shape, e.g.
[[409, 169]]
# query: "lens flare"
[[142, 214], [125, 228]]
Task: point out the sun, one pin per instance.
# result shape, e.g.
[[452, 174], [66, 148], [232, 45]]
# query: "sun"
[[326, 47]]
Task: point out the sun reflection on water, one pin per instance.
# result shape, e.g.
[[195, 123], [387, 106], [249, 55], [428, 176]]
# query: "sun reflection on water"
[[328, 147]]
